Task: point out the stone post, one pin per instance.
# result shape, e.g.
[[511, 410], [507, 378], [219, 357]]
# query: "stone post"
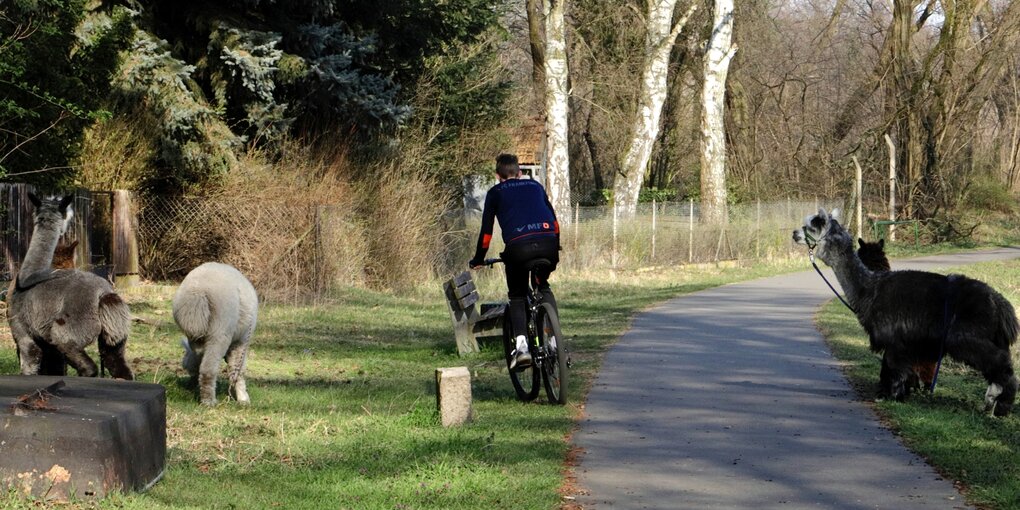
[[453, 395]]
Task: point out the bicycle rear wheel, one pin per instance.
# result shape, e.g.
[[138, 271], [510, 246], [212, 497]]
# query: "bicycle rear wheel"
[[525, 380], [553, 347]]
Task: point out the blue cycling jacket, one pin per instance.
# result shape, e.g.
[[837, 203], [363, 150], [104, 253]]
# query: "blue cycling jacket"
[[523, 211]]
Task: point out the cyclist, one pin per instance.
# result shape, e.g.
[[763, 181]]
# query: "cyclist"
[[530, 232]]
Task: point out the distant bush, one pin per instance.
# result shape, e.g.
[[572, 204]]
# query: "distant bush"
[[989, 194]]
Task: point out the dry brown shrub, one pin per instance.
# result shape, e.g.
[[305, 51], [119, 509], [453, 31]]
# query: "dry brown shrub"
[[403, 216], [117, 153], [290, 225]]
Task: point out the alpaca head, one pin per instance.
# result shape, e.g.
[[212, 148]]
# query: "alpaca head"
[[53, 214], [64, 256], [191, 359], [873, 255], [823, 233]]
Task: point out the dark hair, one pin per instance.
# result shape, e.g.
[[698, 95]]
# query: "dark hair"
[[506, 166]]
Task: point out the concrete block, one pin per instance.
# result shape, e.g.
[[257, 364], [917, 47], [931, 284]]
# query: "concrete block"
[[87, 438], [453, 395]]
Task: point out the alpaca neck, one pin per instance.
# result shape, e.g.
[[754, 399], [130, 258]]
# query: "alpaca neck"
[[852, 275], [40, 250]]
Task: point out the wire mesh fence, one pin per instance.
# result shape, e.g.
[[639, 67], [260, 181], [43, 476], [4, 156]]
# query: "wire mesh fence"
[[671, 233], [308, 251]]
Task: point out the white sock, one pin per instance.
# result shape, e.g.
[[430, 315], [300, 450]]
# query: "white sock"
[[522, 343]]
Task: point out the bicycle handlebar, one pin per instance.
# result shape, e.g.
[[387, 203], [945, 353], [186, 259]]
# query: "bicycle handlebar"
[[491, 262]]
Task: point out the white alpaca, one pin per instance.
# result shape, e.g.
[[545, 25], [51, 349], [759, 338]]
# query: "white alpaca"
[[216, 307]]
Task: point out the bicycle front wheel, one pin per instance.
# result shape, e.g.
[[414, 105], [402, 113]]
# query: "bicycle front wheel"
[[553, 347], [525, 380]]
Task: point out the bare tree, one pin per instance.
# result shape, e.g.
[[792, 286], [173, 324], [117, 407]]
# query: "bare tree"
[[660, 36]]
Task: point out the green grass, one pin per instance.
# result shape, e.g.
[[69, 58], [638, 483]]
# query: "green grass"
[[950, 428], [343, 402]]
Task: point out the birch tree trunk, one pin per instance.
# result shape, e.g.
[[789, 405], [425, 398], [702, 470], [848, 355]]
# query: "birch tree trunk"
[[719, 52], [557, 176], [660, 36], [534, 8]]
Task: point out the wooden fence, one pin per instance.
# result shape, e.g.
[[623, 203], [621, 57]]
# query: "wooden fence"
[[103, 225]]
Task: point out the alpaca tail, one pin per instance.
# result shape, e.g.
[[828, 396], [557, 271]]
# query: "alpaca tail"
[[1008, 328], [192, 313], [114, 318]]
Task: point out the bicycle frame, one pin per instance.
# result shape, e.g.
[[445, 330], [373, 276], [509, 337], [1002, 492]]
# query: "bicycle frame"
[[545, 341]]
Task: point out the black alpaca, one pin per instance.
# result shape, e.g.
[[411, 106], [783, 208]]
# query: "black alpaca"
[[873, 257], [915, 316]]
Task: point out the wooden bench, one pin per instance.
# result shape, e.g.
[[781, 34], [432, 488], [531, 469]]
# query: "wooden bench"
[[471, 319]]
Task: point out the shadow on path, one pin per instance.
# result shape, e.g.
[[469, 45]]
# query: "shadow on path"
[[729, 398]]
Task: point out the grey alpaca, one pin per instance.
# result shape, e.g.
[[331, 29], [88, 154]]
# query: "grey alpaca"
[[64, 310], [917, 316], [216, 307]]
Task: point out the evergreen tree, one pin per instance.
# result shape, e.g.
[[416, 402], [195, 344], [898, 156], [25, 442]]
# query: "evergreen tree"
[[56, 60]]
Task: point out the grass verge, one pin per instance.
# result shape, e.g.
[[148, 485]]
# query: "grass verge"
[[949, 428], [343, 401]]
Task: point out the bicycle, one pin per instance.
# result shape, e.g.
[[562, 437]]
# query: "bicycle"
[[549, 359]]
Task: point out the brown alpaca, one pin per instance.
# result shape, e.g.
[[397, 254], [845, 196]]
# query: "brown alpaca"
[[64, 257], [873, 257]]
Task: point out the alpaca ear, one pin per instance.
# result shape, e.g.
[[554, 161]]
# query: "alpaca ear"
[[881, 243], [64, 202], [860, 242], [73, 245], [836, 213], [34, 199]]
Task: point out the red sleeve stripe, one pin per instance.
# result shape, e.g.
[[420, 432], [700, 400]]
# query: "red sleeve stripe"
[[557, 224], [486, 239]]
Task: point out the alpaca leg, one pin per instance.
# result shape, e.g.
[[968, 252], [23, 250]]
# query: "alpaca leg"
[[237, 361], [994, 364], [215, 350], [30, 355], [53, 362], [894, 378], [113, 360], [81, 361], [1004, 402]]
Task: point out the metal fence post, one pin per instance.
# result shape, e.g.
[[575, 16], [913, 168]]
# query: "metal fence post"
[[614, 234], [654, 213], [577, 211], [757, 229], [690, 236]]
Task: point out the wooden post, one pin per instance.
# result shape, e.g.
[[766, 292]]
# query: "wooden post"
[[654, 212], [858, 188], [892, 186], [125, 242]]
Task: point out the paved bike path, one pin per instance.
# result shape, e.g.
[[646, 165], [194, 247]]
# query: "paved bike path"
[[729, 398]]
